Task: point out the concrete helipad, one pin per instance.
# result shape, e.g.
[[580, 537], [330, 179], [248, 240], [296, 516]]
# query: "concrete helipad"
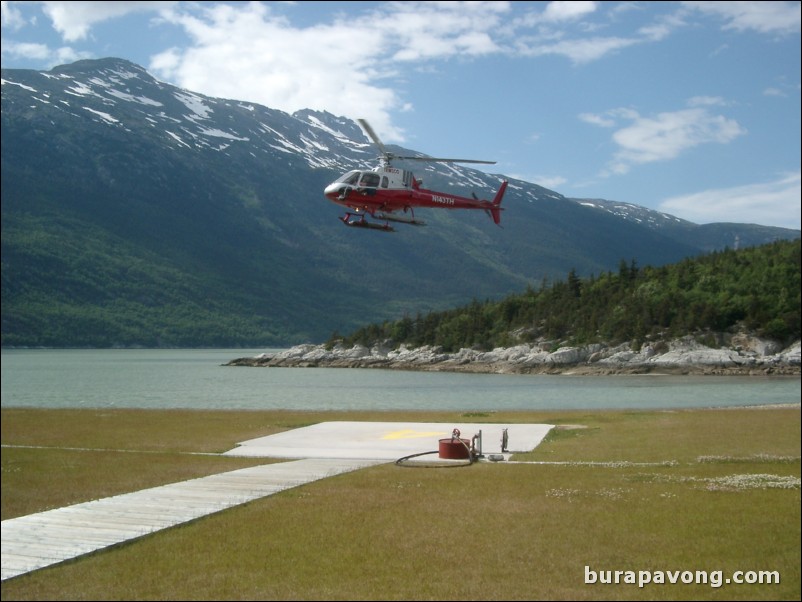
[[322, 450], [385, 440]]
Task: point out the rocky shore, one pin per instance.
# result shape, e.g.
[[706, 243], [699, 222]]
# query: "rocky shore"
[[743, 354]]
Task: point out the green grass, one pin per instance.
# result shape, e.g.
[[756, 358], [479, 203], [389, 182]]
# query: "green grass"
[[652, 490]]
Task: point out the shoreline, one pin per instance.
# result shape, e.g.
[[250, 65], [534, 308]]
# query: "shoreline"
[[774, 370], [745, 356]]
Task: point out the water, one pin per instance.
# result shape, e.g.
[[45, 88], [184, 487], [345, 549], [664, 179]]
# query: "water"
[[197, 379]]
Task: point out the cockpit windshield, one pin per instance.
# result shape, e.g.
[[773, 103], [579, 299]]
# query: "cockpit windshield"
[[352, 177]]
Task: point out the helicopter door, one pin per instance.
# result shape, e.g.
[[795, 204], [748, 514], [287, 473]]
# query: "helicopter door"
[[369, 182]]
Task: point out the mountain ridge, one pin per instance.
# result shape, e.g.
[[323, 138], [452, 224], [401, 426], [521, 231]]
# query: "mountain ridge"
[[139, 213]]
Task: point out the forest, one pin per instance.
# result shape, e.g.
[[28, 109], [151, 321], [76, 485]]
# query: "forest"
[[755, 290]]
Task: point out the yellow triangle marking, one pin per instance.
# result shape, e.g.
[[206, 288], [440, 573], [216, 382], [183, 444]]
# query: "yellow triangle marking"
[[411, 434]]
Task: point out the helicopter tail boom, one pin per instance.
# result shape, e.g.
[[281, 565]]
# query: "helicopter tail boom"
[[495, 210]]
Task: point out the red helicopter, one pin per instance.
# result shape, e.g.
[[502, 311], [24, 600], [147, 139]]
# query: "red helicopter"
[[386, 189]]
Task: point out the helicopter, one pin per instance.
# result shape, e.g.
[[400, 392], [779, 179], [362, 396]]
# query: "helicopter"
[[385, 190]]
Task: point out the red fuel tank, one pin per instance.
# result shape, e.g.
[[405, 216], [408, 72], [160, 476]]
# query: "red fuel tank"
[[455, 449]]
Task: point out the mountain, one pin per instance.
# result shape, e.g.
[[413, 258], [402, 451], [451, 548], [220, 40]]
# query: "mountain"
[[138, 213]]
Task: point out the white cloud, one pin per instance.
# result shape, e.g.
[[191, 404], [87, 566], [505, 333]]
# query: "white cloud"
[[662, 28], [346, 67], [550, 182], [42, 52], [11, 17], [65, 54], [247, 53], [414, 31], [774, 203], [567, 11], [554, 36], [582, 50], [667, 135], [25, 50], [73, 20], [599, 120], [706, 101], [763, 17]]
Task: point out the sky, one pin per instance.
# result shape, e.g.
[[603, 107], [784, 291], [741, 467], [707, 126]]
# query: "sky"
[[690, 108]]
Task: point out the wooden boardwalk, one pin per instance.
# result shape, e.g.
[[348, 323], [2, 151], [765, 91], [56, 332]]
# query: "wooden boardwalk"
[[38, 540]]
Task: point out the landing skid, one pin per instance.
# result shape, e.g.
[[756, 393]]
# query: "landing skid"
[[361, 222], [401, 220]]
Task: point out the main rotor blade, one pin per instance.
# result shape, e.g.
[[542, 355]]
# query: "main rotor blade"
[[388, 155], [372, 135], [436, 160]]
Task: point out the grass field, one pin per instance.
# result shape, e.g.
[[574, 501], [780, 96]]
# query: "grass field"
[[708, 493]]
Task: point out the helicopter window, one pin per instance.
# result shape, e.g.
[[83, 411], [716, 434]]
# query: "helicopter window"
[[370, 179], [385, 182], [352, 177]]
